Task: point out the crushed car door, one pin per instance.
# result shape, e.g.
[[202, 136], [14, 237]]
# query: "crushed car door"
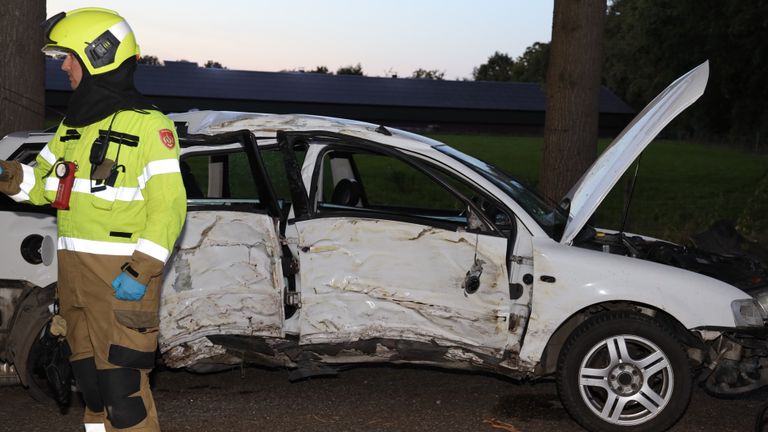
[[225, 276], [390, 254]]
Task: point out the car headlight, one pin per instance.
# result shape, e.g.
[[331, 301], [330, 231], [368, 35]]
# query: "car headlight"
[[748, 313]]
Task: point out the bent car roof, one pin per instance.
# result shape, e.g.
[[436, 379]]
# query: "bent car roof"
[[262, 124]]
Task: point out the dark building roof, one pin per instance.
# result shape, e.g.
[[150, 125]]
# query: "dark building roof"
[[179, 87]]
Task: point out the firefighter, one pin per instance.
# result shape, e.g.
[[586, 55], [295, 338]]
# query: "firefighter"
[[112, 171]]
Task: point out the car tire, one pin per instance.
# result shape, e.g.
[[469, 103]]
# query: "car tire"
[[624, 371], [35, 379]]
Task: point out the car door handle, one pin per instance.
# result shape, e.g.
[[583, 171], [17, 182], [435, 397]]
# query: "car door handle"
[[472, 279]]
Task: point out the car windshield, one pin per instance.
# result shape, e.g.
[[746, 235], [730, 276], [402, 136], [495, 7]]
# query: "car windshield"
[[545, 212]]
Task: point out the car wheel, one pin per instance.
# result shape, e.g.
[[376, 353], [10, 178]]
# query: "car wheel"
[[36, 379], [624, 371]]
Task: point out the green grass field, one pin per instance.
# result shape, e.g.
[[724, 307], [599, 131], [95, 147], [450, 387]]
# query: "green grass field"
[[681, 188]]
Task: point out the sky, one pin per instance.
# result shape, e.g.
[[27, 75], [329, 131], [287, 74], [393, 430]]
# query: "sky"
[[385, 37]]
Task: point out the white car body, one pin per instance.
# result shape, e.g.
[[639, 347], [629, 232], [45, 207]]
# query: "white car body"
[[364, 285]]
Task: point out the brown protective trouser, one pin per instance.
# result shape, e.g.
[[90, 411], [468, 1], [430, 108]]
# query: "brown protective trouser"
[[113, 341]]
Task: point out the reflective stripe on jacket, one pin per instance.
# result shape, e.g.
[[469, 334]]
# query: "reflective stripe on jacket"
[[143, 211]]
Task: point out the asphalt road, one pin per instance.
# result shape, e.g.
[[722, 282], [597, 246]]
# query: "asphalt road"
[[360, 399]]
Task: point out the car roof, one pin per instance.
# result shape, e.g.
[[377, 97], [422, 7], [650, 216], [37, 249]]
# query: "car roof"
[[266, 126]]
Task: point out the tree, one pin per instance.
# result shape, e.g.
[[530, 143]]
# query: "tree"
[[650, 43], [22, 76], [149, 60], [572, 94], [432, 74], [350, 70], [210, 64], [320, 70], [532, 65], [499, 67]]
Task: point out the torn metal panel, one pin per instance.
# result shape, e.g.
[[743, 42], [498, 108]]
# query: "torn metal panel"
[[402, 351], [216, 122], [189, 353], [365, 279], [521, 271], [309, 358], [708, 335], [225, 278]]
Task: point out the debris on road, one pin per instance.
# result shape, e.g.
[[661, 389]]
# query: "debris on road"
[[498, 424]]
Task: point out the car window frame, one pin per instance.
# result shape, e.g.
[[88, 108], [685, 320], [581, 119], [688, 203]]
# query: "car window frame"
[[332, 141], [267, 201]]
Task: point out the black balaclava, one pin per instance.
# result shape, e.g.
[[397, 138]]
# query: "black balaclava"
[[99, 96]]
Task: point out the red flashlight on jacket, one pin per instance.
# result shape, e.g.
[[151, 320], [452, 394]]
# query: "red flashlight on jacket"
[[65, 171]]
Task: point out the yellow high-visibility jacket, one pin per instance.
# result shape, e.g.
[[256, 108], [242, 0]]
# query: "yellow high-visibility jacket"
[[141, 214]]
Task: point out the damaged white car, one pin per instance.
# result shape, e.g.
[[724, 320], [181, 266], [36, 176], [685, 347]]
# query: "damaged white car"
[[312, 242]]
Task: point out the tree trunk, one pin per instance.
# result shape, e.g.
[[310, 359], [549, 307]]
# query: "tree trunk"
[[22, 75], [572, 89]]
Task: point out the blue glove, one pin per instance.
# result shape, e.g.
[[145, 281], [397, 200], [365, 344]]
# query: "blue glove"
[[1, 170], [128, 288]]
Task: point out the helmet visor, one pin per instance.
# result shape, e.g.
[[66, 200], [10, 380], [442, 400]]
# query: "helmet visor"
[[56, 52]]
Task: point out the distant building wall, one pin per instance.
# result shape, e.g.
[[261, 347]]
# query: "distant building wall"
[[451, 106]]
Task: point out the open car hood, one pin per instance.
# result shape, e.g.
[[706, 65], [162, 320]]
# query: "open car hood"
[[594, 185]]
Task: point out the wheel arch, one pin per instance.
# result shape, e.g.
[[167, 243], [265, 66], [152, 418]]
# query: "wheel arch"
[[548, 362], [31, 310]]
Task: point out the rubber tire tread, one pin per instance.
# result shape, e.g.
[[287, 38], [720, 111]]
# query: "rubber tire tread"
[[36, 386], [604, 325]]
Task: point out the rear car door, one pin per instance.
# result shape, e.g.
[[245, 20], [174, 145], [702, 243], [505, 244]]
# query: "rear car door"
[[225, 276]]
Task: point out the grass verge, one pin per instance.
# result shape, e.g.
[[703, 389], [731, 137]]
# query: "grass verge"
[[682, 187]]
